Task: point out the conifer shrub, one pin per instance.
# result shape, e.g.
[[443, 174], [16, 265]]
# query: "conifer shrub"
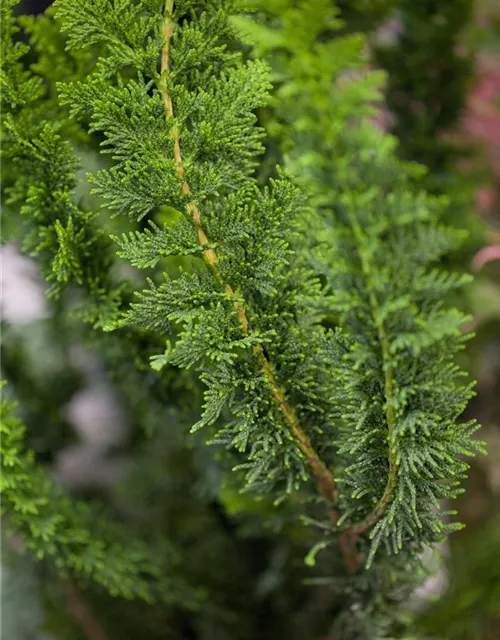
[[292, 317]]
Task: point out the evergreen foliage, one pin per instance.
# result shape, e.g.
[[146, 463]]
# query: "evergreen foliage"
[[52, 524], [40, 180], [312, 308]]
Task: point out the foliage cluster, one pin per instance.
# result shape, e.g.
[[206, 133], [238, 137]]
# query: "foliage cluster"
[[303, 316]]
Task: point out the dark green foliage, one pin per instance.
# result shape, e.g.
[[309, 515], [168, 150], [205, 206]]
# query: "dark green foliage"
[[39, 182], [63, 235], [18, 85], [247, 227], [399, 348], [308, 315], [378, 245], [54, 525]]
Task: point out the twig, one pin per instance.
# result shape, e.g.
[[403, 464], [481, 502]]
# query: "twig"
[[324, 479], [352, 533]]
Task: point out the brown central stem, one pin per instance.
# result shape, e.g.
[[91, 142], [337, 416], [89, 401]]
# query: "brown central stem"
[[325, 481], [392, 478]]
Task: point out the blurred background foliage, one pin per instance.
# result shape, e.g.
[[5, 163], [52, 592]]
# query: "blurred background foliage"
[[442, 60]]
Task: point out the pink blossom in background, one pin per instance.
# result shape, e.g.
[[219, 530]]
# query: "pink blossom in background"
[[485, 255], [481, 123], [482, 116], [485, 199]]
